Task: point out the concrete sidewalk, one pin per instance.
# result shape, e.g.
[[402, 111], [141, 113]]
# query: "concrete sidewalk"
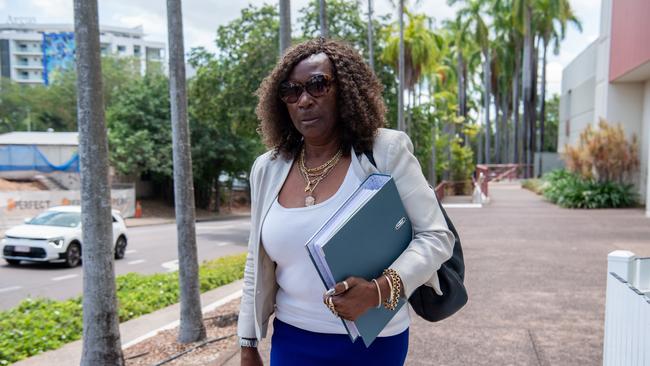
[[536, 277]]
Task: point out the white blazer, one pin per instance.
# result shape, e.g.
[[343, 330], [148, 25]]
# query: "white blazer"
[[431, 246]]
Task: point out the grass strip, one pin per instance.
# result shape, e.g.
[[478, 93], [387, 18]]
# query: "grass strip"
[[39, 325]]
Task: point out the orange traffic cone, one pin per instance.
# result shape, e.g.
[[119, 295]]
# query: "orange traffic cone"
[[138, 209]]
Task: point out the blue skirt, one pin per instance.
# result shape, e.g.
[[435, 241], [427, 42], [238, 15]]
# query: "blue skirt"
[[295, 346]]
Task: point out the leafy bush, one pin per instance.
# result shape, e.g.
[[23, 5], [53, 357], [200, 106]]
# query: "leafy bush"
[[572, 191], [39, 325], [603, 154]]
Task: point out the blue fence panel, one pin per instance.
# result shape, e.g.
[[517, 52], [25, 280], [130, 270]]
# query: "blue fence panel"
[[19, 157]]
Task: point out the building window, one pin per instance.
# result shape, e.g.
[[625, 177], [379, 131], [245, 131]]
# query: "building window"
[[121, 49], [136, 50], [23, 47], [24, 75], [24, 61]]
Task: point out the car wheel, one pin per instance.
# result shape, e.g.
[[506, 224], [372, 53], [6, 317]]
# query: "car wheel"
[[120, 248], [13, 262], [73, 255]]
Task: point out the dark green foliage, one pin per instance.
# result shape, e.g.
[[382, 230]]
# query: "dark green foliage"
[[569, 190], [139, 128], [39, 325], [552, 123]]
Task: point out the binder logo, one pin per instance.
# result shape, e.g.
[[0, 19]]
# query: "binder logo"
[[400, 223]]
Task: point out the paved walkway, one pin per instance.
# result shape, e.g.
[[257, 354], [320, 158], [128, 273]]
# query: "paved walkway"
[[536, 278]]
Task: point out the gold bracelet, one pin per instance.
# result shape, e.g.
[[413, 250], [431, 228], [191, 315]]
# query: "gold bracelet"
[[378, 291], [390, 286], [393, 300]]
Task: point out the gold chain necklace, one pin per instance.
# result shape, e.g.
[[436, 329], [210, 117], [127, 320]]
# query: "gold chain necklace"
[[314, 176]]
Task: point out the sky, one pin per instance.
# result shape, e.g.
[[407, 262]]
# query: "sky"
[[202, 17]]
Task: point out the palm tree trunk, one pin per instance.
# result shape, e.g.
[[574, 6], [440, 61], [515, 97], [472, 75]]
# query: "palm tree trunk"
[[464, 96], [432, 167], [101, 333], [371, 48], [515, 106], [322, 15], [191, 322], [460, 69], [505, 101], [497, 127], [542, 111], [285, 25], [486, 103], [529, 107], [400, 61], [533, 116]]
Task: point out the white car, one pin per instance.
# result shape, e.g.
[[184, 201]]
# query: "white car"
[[55, 236]]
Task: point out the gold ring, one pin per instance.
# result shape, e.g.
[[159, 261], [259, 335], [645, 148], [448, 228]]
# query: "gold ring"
[[345, 283], [330, 304]]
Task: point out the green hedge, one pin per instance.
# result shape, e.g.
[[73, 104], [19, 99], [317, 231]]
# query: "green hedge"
[[39, 325], [572, 191]]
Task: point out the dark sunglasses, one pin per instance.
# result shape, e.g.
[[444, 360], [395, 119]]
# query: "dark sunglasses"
[[316, 86]]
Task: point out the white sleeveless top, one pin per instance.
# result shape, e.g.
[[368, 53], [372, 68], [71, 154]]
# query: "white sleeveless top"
[[299, 299]]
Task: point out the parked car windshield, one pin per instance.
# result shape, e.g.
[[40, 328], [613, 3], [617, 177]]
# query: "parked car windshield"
[[53, 218]]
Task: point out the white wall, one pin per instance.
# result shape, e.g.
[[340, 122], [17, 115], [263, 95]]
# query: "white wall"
[[577, 99]]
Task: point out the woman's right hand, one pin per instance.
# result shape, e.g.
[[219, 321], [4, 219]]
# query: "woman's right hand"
[[250, 356]]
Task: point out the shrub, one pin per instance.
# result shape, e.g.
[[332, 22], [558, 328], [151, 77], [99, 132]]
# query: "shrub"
[[40, 325], [572, 191], [603, 154]]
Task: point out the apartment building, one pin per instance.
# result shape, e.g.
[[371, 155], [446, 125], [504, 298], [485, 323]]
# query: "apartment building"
[[28, 50]]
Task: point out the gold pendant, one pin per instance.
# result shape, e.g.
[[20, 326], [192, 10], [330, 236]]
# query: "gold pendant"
[[309, 201]]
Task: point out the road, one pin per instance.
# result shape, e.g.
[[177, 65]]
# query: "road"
[[151, 249]]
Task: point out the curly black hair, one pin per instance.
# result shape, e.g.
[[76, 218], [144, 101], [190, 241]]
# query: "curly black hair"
[[360, 107]]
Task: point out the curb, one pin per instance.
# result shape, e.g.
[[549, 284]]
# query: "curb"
[[165, 221]]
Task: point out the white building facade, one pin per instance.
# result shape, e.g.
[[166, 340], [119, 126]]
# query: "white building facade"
[[22, 54], [610, 79]]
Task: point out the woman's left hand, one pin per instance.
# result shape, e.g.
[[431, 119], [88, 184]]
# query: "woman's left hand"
[[360, 296]]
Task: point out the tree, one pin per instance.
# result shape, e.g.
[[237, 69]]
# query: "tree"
[[551, 15], [192, 328], [285, 25], [420, 53], [401, 69], [472, 15], [322, 11], [371, 56], [139, 129], [222, 99], [101, 333]]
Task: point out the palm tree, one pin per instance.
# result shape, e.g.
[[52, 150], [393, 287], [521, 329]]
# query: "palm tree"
[[191, 322], [101, 333], [401, 69], [371, 48], [523, 19], [471, 15], [550, 15], [285, 25], [322, 15], [420, 50]]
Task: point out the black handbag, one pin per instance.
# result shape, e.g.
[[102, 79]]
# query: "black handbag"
[[424, 300]]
